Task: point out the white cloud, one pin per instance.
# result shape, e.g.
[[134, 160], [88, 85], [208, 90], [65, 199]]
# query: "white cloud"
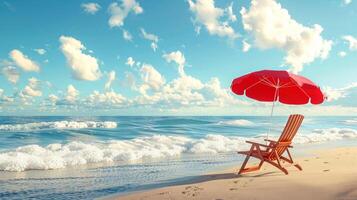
[[154, 46], [111, 78], [23, 61], [11, 74], [346, 2], [84, 67], [130, 61], [106, 99], [90, 8], [120, 12], [53, 99], [334, 94], [182, 91], [40, 51], [178, 58], [127, 36], [72, 94], [231, 16], [151, 78], [32, 88], [272, 27], [352, 42], [151, 37], [246, 46], [210, 16], [4, 98], [342, 54]]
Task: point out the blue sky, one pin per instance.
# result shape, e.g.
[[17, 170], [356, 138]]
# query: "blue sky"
[[56, 58]]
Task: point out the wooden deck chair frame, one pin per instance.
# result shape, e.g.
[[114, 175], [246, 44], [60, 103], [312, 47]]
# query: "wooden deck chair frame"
[[272, 153]]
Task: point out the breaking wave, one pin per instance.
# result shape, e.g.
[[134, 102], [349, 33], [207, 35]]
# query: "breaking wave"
[[57, 125], [351, 121], [55, 156], [238, 122]]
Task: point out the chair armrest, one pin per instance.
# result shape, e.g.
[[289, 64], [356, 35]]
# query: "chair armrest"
[[286, 144], [270, 140], [254, 143]]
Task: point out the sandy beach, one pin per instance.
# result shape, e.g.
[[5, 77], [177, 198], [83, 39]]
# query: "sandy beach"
[[327, 174]]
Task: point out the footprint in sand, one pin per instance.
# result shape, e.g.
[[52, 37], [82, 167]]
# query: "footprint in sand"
[[191, 191], [232, 189], [326, 170], [235, 182], [325, 162], [306, 160]]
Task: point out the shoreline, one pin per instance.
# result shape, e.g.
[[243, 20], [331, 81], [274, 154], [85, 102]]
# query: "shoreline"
[[327, 174]]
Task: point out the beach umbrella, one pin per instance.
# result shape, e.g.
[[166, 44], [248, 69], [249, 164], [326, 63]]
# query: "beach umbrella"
[[277, 85]]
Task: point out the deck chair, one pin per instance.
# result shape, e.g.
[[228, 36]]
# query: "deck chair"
[[272, 153]]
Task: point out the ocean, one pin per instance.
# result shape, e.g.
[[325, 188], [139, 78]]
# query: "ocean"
[[92, 157]]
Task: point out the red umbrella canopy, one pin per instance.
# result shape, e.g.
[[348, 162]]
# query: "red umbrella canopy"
[[278, 85]]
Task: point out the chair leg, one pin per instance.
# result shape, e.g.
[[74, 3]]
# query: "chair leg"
[[250, 169], [292, 162], [279, 164], [242, 168], [253, 168], [298, 166]]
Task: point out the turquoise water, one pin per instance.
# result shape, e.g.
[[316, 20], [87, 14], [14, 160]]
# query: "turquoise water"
[[88, 157]]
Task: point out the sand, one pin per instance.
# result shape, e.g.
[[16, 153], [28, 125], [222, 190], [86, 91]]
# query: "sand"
[[327, 174]]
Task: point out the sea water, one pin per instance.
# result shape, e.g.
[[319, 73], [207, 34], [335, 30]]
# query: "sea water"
[[89, 157]]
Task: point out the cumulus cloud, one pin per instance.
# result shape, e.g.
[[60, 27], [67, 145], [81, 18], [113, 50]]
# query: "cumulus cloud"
[[83, 66], [151, 37], [4, 98], [184, 90], [246, 46], [130, 61], [11, 74], [53, 98], [32, 88], [346, 2], [23, 61], [106, 99], [90, 8], [272, 27], [334, 94], [213, 18], [127, 36], [118, 13], [151, 78], [111, 78], [72, 94], [178, 58], [352, 42], [231, 16], [342, 54], [40, 51]]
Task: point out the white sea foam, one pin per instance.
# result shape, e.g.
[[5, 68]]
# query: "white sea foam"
[[75, 153], [325, 135], [57, 125], [237, 122], [351, 121]]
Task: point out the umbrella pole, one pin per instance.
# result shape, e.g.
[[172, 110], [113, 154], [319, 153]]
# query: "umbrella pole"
[[272, 110], [271, 119]]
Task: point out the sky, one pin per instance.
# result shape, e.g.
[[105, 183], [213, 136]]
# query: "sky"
[[177, 57]]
